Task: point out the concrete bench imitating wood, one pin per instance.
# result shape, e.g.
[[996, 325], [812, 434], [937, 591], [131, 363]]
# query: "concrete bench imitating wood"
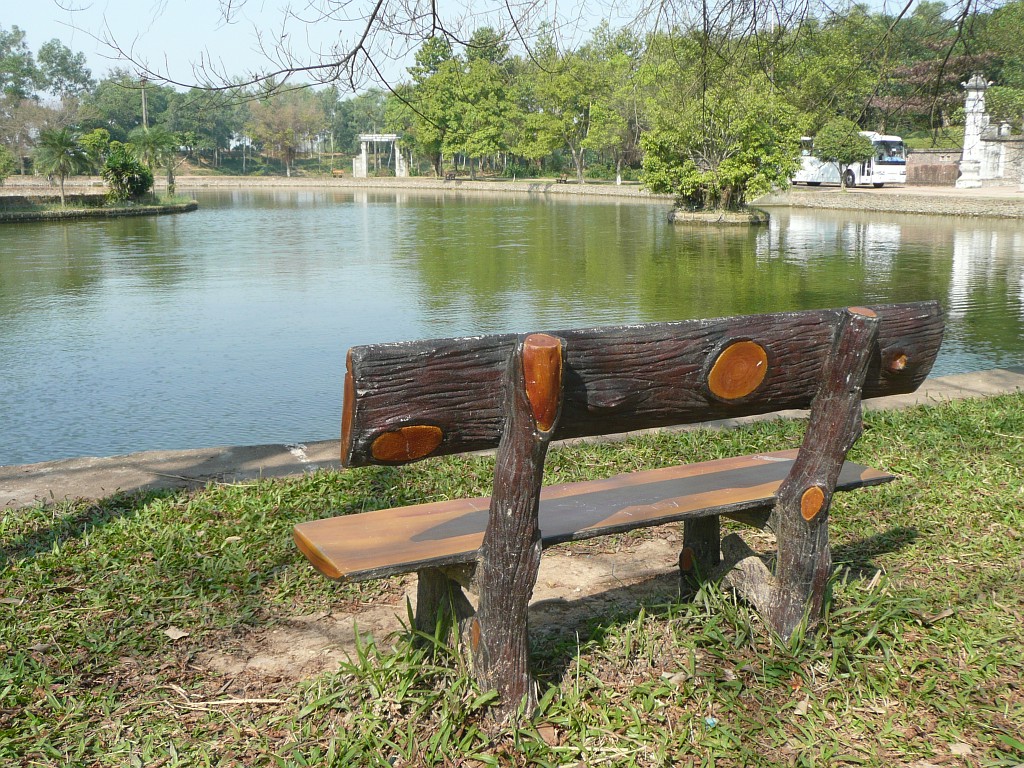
[[410, 400]]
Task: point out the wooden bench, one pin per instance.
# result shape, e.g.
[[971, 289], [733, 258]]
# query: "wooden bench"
[[563, 179], [337, 173], [410, 400], [450, 176]]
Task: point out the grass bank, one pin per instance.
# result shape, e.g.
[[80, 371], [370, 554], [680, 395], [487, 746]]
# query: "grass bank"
[[95, 207], [107, 609]]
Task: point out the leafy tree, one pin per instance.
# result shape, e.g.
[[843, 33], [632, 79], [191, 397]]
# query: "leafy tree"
[[563, 90], [96, 144], [62, 72], [830, 66], [211, 118], [126, 176], [59, 153], [1003, 103], [18, 73], [286, 123], [433, 101], [7, 164], [734, 143], [483, 116], [839, 141], [615, 115], [20, 123], [157, 147], [116, 104]]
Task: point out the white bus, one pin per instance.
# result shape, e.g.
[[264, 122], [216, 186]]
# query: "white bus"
[[888, 164]]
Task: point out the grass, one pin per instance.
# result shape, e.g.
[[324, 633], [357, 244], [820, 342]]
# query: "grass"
[[920, 660], [951, 137]]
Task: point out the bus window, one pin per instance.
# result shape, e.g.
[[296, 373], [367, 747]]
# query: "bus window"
[[891, 152]]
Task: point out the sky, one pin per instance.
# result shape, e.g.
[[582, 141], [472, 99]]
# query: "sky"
[[171, 36], [175, 36]]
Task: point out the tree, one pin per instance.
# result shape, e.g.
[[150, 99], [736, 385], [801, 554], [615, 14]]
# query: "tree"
[[62, 72], [433, 100], [7, 164], [20, 123], [157, 147], [286, 123], [615, 115], [839, 141], [59, 153], [482, 118], [563, 89], [96, 144], [723, 147], [127, 178], [116, 104], [18, 73], [213, 118]]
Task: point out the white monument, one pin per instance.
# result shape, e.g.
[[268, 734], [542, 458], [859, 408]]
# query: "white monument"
[[975, 125], [360, 164]]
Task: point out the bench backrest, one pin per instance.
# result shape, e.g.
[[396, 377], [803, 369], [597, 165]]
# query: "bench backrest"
[[409, 400]]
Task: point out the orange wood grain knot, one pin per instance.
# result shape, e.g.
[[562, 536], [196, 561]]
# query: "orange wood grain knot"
[[542, 371], [407, 443], [898, 362], [349, 407], [811, 503], [474, 634], [863, 311], [686, 559], [738, 371]]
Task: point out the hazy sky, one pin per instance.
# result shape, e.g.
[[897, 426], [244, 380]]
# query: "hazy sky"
[[171, 35], [174, 36]]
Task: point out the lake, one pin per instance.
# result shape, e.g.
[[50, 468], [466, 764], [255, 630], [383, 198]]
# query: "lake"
[[229, 326]]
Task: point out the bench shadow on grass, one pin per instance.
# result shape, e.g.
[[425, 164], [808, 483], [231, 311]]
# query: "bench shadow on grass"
[[559, 626]]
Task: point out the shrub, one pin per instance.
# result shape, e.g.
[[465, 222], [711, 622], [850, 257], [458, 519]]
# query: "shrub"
[[7, 163], [128, 178]]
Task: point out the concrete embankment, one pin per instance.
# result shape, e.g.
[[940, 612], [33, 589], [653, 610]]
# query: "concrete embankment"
[[1001, 202], [93, 478], [998, 202], [496, 186]]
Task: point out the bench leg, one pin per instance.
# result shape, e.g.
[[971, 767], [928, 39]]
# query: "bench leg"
[[510, 554], [701, 551], [797, 590], [440, 603]]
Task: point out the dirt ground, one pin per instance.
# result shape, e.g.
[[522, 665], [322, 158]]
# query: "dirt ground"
[[576, 583]]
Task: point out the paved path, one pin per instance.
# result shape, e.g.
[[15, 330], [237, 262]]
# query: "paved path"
[[98, 477]]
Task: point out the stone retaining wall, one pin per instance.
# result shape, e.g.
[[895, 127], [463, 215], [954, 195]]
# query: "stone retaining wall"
[[933, 167], [532, 186], [948, 204], [80, 199]]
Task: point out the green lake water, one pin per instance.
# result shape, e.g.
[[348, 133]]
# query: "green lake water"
[[230, 325]]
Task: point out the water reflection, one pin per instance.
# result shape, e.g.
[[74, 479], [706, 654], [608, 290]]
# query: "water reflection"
[[230, 325]]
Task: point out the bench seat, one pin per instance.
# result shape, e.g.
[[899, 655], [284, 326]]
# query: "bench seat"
[[392, 541]]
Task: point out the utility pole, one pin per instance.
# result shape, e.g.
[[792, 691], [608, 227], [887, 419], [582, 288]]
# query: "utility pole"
[[145, 119]]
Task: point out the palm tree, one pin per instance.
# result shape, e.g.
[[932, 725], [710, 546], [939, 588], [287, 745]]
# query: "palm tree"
[[59, 153], [157, 147]]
